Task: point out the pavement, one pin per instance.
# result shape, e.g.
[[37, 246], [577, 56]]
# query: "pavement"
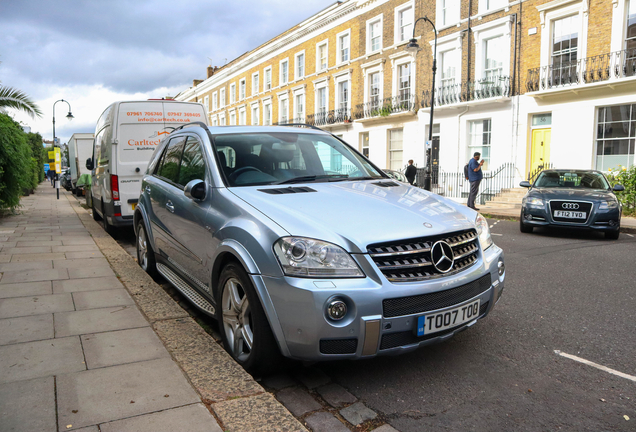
[[89, 342]]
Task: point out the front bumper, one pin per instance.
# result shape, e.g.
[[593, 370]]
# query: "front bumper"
[[305, 332], [601, 220]]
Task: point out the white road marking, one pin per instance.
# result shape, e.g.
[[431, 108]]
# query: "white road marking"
[[596, 365], [496, 234], [629, 235]]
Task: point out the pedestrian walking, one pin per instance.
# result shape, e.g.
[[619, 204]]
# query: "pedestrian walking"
[[51, 175], [410, 172], [475, 175]]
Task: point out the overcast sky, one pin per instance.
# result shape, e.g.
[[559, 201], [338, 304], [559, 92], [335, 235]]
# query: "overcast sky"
[[95, 52]]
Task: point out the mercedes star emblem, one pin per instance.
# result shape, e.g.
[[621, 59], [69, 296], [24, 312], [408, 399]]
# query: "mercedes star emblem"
[[442, 256]]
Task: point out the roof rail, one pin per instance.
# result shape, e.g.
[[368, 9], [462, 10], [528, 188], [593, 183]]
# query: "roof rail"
[[302, 125], [196, 123]]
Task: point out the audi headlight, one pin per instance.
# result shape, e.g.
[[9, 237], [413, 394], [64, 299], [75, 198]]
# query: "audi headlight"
[[534, 202], [606, 205], [299, 256], [483, 231]]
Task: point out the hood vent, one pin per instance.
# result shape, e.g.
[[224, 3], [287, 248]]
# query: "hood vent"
[[287, 190], [385, 184]]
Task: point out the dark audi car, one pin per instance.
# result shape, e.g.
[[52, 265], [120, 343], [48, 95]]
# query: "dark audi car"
[[571, 199]]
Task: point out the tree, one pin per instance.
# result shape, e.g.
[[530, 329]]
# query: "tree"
[[13, 98], [16, 169]]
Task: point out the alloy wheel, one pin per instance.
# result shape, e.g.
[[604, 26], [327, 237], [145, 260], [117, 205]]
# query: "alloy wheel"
[[237, 319], [142, 248]]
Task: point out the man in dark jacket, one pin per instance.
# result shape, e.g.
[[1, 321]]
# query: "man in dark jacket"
[[410, 172], [474, 176]]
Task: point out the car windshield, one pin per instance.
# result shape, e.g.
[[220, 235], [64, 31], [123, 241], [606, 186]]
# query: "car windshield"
[[572, 179], [251, 159]]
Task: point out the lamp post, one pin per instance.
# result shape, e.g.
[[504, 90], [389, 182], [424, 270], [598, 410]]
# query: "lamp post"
[[69, 116], [413, 48]]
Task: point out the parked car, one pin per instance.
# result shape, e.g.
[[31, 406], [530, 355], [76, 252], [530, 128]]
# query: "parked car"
[[396, 175], [580, 199], [298, 245], [65, 179]]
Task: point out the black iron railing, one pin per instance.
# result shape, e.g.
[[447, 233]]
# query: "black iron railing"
[[468, 91], [385, 107], [342, 115], [532, 175], [602, 67], [455, 185]]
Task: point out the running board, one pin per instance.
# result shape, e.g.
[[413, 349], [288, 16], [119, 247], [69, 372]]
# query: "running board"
[[190, 293]]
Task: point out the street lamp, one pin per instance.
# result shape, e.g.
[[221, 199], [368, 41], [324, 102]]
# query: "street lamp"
[[69, 116], [412, 47]]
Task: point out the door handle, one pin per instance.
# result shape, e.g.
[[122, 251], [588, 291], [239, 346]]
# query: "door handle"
[[147, 189], [170, 207]]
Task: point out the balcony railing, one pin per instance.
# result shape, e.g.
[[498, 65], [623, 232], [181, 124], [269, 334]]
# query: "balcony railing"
[[468, 91], [615, 65], [342, 115], [386, 107]]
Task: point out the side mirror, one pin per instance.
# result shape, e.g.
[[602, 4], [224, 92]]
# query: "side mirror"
[[525, 184], [618, 188], [89, 164], [195, 189]]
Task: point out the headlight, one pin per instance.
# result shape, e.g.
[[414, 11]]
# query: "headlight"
[[299, 256], [606, 205], [534, 202], [483, 231]]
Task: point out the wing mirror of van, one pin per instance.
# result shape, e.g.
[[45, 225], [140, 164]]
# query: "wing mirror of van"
[[195, 189], [89, 164]]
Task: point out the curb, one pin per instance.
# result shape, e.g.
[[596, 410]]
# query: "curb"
[[624, 229], [232, 395]]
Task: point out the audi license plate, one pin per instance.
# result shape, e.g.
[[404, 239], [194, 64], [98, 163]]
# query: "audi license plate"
[[436, 322], [570, 214]]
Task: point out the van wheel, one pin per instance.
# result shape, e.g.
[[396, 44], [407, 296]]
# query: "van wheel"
[[245, 330], [96, 216], [145, 254], [107, 227]]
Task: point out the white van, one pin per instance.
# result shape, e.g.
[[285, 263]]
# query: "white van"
[[80, 147], [126, 136]]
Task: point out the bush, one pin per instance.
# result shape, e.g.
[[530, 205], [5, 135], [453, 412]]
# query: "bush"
[[15, 163], [626, 177]]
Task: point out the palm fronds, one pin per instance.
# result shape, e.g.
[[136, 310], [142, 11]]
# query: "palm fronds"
[[13, 98]]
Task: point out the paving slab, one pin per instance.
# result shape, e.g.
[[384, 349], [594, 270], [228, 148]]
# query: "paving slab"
[[260, 413], [312, 377], [72, 241], [193, 418], [27, 265], [28, 250], [102, 299], [26, 289], [325, 422], [80, 263], [26, 329], [28, 242], [40, 359], [98, 320], [298, 401], [122, 346], [32, 238], [27, 406], [35, 305], [5, 258], [83, 254], [36, 257], [75, 248], [357, 413], [92, 284], [33, 275], [10, 244], [336, 396], [385, 428], [124, 391], [90, 272]]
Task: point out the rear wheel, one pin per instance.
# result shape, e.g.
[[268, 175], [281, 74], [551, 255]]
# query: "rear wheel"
[[107, 226], [613, 235], [145, 254], [245, 330], [96, 216]]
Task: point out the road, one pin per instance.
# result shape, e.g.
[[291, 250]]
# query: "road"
[[567, 292]]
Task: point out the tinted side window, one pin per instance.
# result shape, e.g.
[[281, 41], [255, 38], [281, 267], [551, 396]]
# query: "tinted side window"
[[168, 167], [192, 162]]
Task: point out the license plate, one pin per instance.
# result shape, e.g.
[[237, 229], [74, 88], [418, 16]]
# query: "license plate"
[[570, 214], [436, 322], [133, 206]]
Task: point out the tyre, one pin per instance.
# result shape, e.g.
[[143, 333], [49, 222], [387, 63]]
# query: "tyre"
[[145, 254], [107, 227], [523, 227], [96, 216], [245, 331], [613, 235]]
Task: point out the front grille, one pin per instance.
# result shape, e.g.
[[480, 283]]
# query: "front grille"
[[582, 206], [338, 346], [410, 260], [438, 300], [393, 340]]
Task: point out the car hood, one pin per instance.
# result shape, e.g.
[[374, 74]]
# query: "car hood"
[[356, 214], [593, 195]]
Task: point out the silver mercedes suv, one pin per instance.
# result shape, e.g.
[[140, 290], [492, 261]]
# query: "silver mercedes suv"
[[299, 246]]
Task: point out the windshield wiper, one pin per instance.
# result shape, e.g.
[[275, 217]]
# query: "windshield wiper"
[[309, 178]]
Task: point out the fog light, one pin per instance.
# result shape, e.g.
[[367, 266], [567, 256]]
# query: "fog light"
[[612, 222], [528, 217], [336, 309], [501, 270]]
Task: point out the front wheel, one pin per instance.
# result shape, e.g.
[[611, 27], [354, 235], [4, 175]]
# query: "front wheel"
[[613, 235], [523, 227], [145, 254], [245, 330]]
